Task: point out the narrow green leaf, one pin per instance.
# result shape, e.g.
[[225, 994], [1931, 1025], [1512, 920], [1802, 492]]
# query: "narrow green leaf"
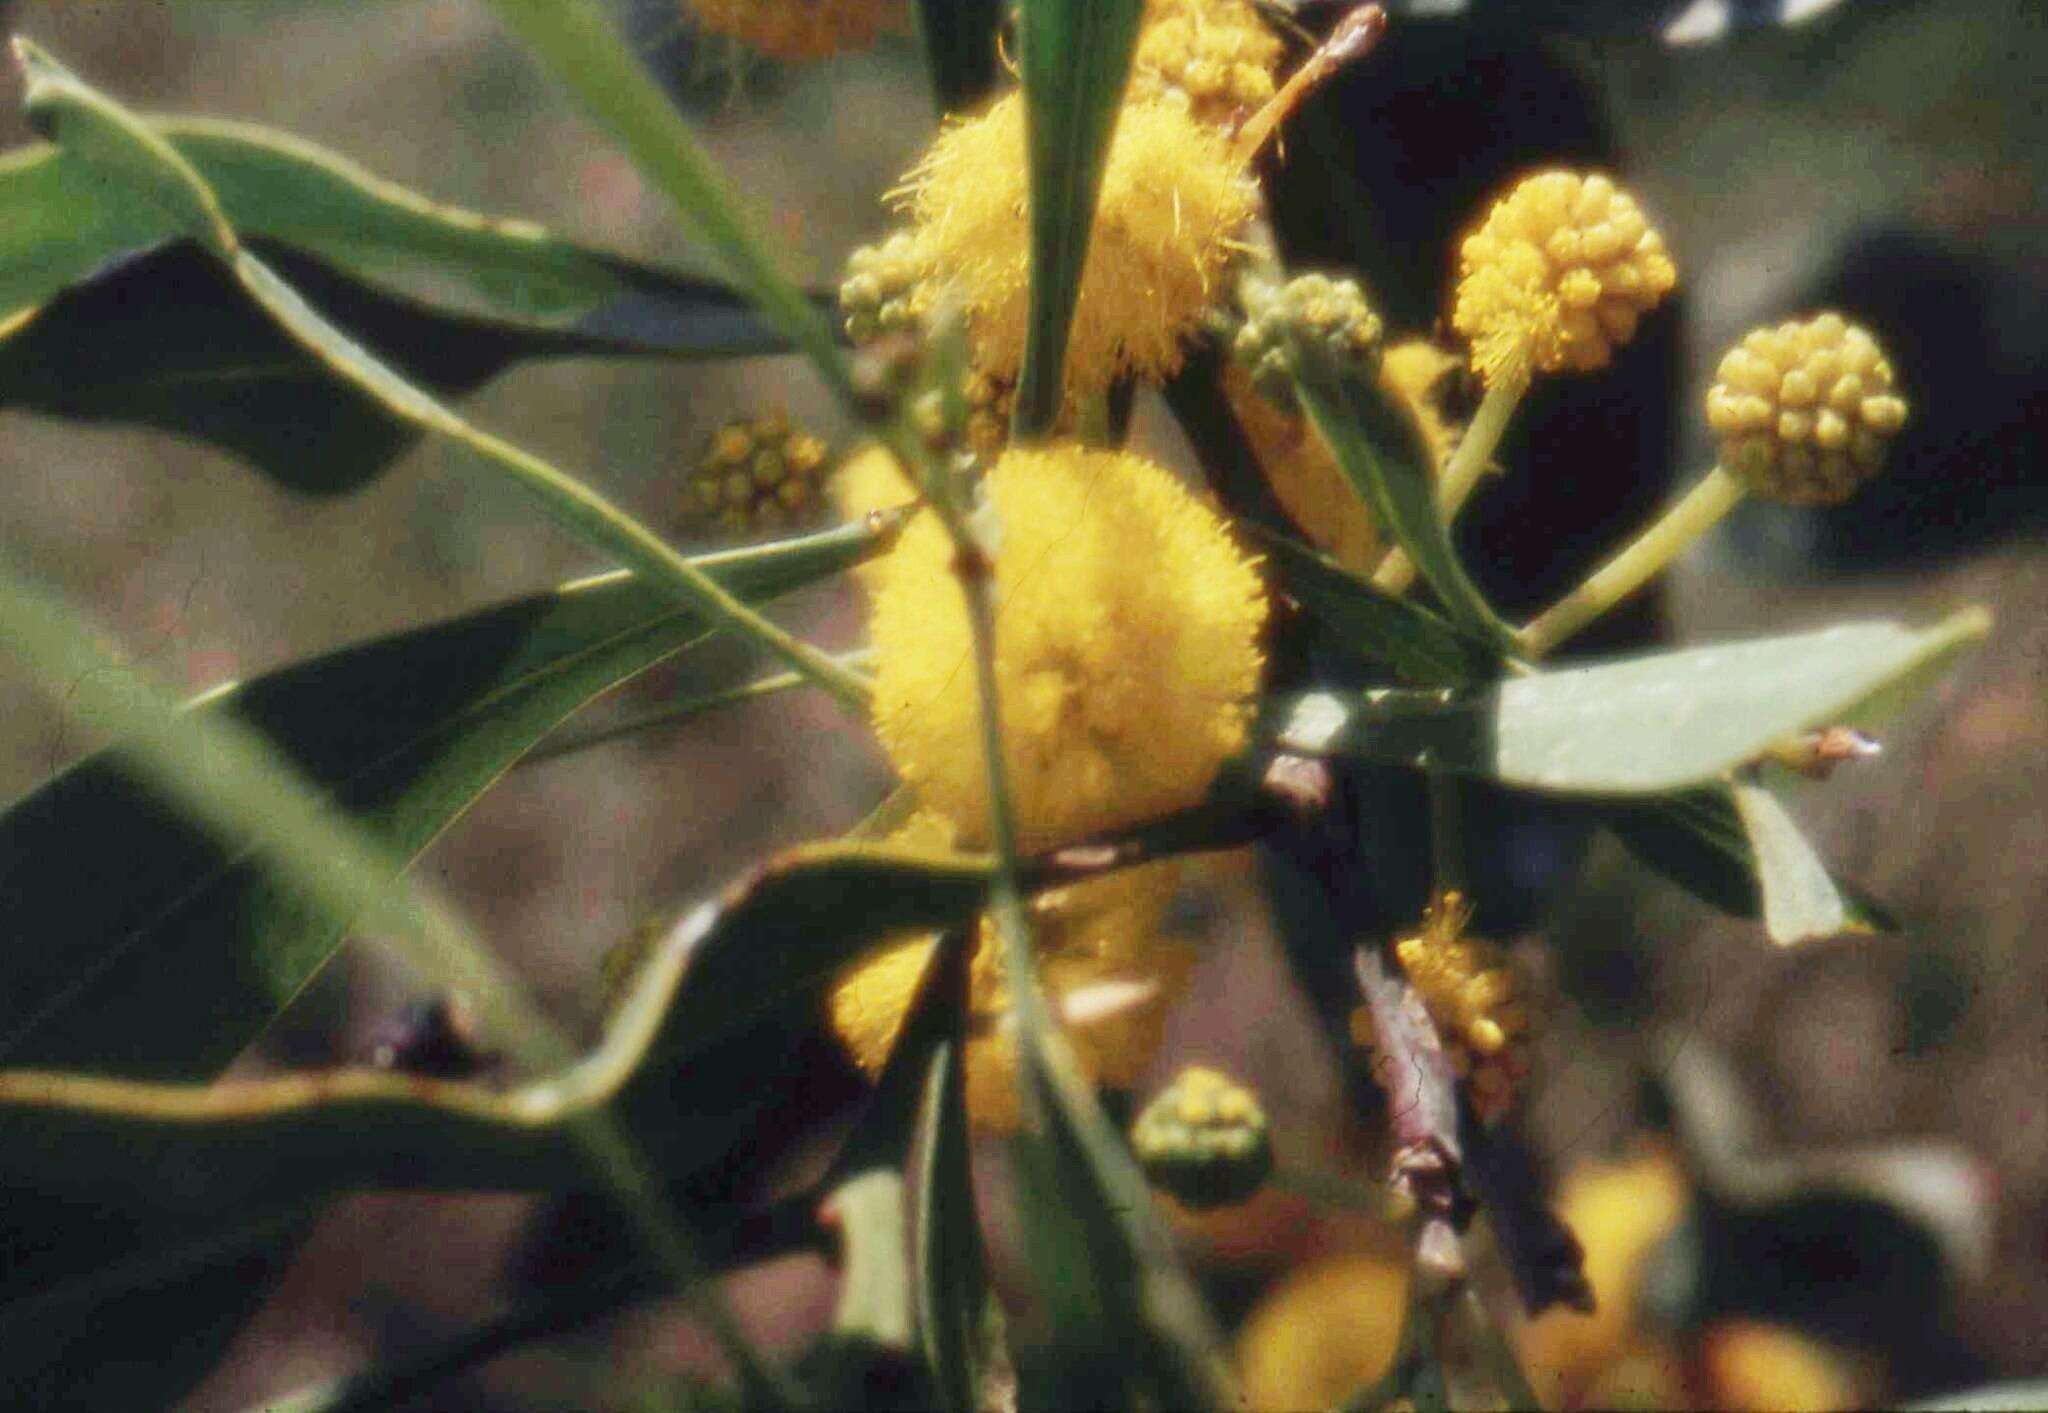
[[1643, 725], [1696, 839], [952, 1267], [1801, 902], [125, 148], [1404, 638], [403, 734], [1381, 452], [1074, 57], [575, 39], [960, 38]]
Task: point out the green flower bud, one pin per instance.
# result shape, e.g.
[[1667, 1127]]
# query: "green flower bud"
[[1204, 1140]]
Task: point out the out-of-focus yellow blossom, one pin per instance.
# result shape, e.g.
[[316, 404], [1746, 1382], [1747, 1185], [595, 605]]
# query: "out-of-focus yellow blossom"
[[1750, 1365], [1324, 1333], [1172, 206], [1619, 1211], [1306, 479], [1415, 372], [1108, 974], [1803, 411], [756, 473], [1469, 989], [1218, 53], [869, 480], [1127, 627], [795, 30], [1557, 277]]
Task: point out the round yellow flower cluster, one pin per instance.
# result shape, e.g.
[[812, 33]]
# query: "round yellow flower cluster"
[[1109, 976], [1218, 54], [1804, 411], [1127, 647], [1173, 203], [756, 474], [1470, 991], [795, 30], [1557, 277], [1204, 1139]]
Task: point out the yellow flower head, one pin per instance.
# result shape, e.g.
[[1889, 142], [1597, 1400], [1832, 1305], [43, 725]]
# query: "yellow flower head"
[[1470, 991], [1415, 371], [1557, 276], [1218, 54], [1127, 626], [1804, 411], [1108, 974], [1326, 1332], [756, 474], [1173, 201], [1752, 1365], [1204, 1139], [1619, 1211], [795, 30]]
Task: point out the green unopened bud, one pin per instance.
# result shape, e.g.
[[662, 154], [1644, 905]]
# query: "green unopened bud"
[[1204, 1140], [1310, 326], [759, 474], [883, 292]]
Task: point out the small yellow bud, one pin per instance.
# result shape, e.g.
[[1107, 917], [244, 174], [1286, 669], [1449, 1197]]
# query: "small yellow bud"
[[1173, 204], [795, 30], [1804, 411], [755, 475], [1557, 277], [1127, 627], [1470, 991], [1204, 1140]]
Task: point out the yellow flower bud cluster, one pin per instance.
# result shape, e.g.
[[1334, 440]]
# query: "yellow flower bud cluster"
[[1470, 991], [1311, 325], [1557, 277], [1803, 411], [1127, 649], [758, 474], [1109, 976], [1173, 204], [1218, 54], [796, 30], [883, 292], [1204, 1139]]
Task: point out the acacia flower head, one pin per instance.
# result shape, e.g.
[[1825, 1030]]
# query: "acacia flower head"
[[1109, 976], [1218, 54], [1204, 1139], [1127, 647], [1804, 411], [795, 30], [1557, 276], [1173, 203], [1327, 1331]]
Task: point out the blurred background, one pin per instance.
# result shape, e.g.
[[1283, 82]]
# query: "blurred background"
[[1887, 160]]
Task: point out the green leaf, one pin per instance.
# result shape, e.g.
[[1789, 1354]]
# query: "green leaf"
[[1380, 449], [1074, 57], [1402, 637], [1642, 725], [576, 40], [1800, 900], [960, 39], [1696, 839], [64, 225], [403, 733], [2015, 1397]]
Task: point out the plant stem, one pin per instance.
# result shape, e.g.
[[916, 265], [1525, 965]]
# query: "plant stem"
[[1446, 833], [1460, 475], [1699, 511]]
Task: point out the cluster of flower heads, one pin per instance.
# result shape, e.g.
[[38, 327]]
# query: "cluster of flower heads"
[[757, 474], [797, 30], [1470, 991]]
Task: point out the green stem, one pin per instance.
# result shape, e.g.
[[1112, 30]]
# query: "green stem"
[[680, 711], [1698, 512], [1460, 475], [1446, 832], [1343, 1193], [1502, 1365], [570, 502]]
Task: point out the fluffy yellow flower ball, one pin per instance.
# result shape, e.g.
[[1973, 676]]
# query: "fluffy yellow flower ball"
[[1127, 627], [1217, 53], [795, 30], [1109, 977], [1557, 277], [1804, 411], [1173, 202]]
